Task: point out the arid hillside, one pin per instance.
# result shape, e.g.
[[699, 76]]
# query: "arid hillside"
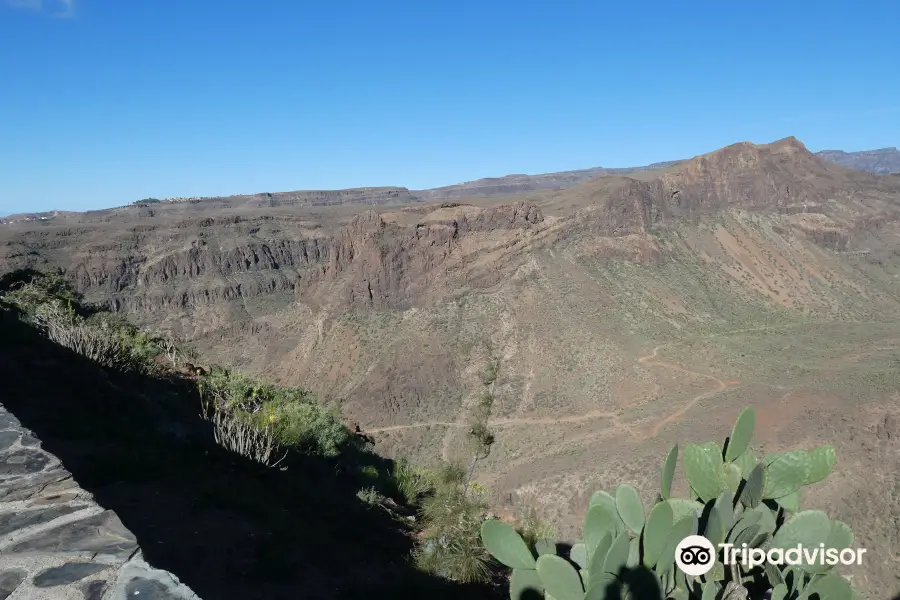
[[607, 320]]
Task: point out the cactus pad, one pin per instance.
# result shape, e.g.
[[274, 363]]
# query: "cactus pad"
[[559, 578], [630, 507], [741, 434], [506, 545]]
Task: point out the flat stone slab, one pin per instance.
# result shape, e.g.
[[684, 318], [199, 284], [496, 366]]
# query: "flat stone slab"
[[101, 534], [56, 543]]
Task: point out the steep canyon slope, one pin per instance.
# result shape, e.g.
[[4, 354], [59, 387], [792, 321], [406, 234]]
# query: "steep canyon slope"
[[621, 315]]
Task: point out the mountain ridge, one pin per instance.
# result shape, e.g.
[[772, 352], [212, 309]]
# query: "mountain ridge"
[[881, 161]]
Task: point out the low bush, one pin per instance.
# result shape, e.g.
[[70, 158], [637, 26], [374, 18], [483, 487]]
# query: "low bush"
[[33, 289], [67, 329], [370, 496], [411, 482], [236, 433], [290, 413], [450, 545]]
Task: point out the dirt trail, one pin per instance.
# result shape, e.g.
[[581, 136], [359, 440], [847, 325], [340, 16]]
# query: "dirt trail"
[[650, 359], [617, 424], [513, 421]]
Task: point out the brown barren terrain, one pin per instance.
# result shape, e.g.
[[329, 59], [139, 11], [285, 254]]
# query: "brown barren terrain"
[[626, 313]]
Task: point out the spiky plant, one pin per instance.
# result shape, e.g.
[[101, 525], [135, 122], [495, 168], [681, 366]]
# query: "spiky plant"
[[450, 542], [411, 482]]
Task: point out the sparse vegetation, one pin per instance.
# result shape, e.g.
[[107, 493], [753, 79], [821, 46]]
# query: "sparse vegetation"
[[265, 423], [250, 417], [480, 436], [532, 527]]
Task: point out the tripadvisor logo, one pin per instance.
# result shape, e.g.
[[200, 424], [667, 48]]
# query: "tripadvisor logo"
[[695, 555]]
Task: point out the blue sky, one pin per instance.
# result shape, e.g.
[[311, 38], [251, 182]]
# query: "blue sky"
[[103, 102]]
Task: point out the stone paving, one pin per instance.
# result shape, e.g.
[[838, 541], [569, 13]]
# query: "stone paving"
[[56, 543]]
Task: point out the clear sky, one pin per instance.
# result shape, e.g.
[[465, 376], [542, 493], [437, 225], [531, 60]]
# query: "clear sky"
[[103, 102]]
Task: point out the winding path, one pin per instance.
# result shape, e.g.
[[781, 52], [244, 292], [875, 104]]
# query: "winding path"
[[721, 385], [651, 431]]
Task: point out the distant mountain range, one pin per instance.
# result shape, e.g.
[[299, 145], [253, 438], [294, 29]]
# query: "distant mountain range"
[[882, 161], [885, 160]]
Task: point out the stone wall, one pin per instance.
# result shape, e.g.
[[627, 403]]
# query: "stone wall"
[[56, 542]]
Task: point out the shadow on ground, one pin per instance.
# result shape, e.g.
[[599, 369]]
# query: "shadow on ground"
[[225, 526]]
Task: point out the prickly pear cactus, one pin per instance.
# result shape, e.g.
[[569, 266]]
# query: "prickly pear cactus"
[[736, 497]]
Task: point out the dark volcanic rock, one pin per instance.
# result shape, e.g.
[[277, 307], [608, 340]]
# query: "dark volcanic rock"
[[67, 573], [9, 581], [16, 521], [103, 534], [93, 590], [23, 461]]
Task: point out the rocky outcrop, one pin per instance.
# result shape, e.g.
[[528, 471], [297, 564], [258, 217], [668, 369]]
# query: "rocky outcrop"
[[182, 297], [56, 542], [371, 196], [383, 265], [200, 260]]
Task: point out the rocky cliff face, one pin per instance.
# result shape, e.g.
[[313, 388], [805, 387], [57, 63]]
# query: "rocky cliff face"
[[383, 265], [167, 263], [163, 268], [370, 196]]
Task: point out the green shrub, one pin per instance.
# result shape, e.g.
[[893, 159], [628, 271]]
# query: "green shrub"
[[40, 288], [235, 432], [370, 496], [291, 413], [412, 483], [48, 302], [488, 374], [306, 425], [736, 496], [481, 437], [370, 471], [450, 545]]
